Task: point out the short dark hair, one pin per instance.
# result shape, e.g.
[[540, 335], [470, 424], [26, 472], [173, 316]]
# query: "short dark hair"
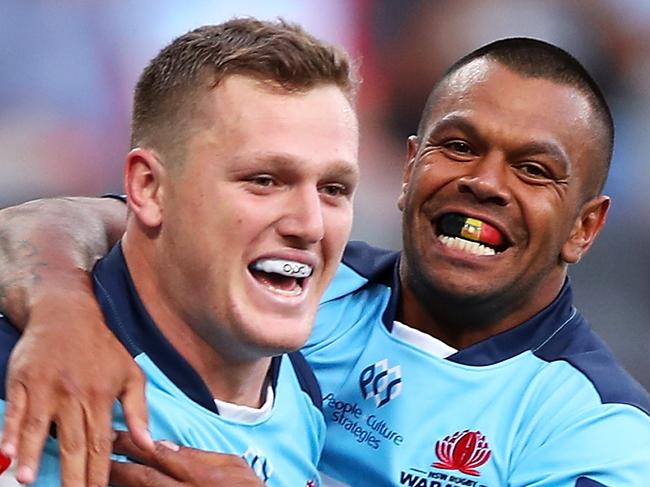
[[534, 58], [277, 52]]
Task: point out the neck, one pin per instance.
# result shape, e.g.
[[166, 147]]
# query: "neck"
[[235, 380], [462, 321]]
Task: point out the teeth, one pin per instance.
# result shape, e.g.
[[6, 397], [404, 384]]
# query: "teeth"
[[285, 292], [474, 248], [288, 268]]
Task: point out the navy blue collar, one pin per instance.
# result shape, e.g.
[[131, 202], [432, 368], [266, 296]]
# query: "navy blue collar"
[[382, 267], [531, 335], [129, 320]]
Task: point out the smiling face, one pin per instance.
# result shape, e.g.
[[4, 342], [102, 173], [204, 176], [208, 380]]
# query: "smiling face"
[[493, 198], [255, 219]]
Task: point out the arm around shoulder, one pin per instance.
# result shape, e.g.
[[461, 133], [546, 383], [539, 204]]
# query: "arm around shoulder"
[[67, 368], [47, 243]]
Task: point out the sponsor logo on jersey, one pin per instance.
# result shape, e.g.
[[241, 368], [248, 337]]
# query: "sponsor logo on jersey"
[[259, 463], [380, 382], [311, 483], [367, 429], [464, 451]]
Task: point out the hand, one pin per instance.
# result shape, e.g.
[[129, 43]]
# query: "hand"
[[68, 368], [169, 465]]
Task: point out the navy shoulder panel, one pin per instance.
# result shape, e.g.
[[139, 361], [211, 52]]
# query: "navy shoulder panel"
[[8, 338], [306, 379], [585, 482], [373, 263], [587, 352]]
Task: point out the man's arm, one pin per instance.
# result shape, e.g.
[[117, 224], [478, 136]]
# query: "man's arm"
[[47, 248], [170, 465], [45, 239]]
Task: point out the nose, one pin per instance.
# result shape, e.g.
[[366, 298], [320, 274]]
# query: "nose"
[[487, 180], [303, 218]]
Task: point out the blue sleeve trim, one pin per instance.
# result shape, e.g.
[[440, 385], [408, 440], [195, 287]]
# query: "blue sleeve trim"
[[585, 482], [8, 338], [306, 379]]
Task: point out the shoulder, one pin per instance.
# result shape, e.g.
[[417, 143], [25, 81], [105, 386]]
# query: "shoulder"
[[590, 356], [588, 416], [299, 406], [572, 429], [359, 292], [362, 265], [306, 379]]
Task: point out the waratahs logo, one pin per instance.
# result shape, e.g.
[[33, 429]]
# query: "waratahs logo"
[[381, 383], [464, 451], [259, 463]]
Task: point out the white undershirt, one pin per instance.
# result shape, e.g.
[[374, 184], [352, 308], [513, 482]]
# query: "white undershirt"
[[246, 414], [432, 345]]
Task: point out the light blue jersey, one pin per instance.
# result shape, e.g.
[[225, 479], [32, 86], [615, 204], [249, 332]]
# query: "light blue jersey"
[[283, 448], [543, 404]]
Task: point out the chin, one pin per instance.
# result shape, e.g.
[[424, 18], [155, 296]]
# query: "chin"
[[279, 336], [461, 288]]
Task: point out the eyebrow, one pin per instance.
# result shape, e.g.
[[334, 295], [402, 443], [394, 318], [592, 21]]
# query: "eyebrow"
[[288, 161], [556, 152], [457, 122], [534, 147]]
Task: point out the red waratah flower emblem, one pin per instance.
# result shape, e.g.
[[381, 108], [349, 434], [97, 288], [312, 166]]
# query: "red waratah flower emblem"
[[463, 451]]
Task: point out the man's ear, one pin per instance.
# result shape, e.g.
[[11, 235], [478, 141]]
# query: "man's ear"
[[585, 229], [143, 178], [411, 153]]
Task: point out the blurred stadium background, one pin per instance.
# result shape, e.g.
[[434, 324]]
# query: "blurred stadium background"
[[68, 68]]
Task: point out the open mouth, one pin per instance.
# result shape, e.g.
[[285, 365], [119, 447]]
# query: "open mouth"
[[458, 231], [285, 277]]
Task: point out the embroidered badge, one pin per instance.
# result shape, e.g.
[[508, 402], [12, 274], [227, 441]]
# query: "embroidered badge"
[[464, 451]]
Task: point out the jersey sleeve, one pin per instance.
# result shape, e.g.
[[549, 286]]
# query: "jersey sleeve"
[[607, 445]]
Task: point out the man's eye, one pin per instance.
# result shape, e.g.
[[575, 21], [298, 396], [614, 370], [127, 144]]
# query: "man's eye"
[[534, 170], [458, 146], [334, 190], [262, 180]]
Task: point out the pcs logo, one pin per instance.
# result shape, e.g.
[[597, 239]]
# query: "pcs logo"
[[381, 383]]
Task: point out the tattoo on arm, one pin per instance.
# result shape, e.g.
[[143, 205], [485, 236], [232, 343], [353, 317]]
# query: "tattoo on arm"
[[21, 265]]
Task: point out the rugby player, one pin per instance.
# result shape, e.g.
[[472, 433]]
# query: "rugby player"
[[240, 179]]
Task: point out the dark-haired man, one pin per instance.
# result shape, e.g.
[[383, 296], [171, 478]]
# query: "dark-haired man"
[[461, 360], [240, 179]]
